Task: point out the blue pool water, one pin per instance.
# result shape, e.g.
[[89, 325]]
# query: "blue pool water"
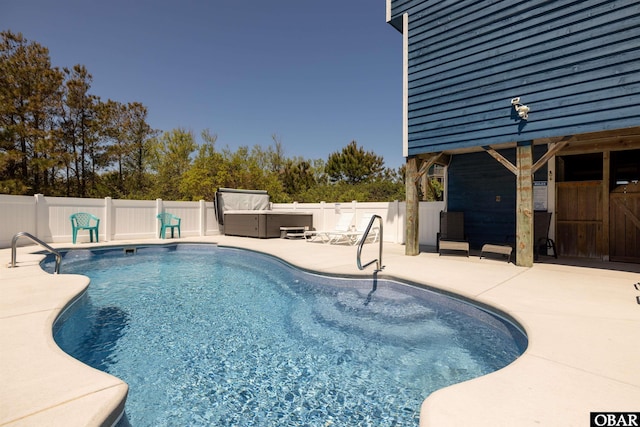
[[209, 336]]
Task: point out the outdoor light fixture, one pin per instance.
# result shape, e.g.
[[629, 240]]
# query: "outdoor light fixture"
[[522, 110]]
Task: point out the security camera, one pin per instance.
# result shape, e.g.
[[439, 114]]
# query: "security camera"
[[515, 100], [523, 111]]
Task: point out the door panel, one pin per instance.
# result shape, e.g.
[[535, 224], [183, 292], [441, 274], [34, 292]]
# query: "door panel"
[[579, 219], [624, 218]]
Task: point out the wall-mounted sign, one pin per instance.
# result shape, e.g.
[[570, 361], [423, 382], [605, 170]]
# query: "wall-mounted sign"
[[540, 195]]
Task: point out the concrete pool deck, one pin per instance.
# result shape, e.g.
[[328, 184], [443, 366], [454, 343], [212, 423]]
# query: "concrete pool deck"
[[583, 325]]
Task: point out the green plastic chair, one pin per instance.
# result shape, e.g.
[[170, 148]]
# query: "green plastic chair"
[[84, 221], [168, 220]]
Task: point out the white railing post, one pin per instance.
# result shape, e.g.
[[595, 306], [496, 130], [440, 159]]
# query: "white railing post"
[[108, 219], [203, 217]]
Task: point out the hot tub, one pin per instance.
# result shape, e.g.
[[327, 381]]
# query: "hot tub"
[[263, 224]]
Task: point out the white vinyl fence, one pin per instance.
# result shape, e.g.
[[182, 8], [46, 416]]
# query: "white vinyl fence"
[[48, 217]]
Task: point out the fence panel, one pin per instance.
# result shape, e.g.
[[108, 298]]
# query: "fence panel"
[[48, 217], [322, 219], [211, 224], [134, 219], [383, 210], [57, 223], [189, 213], [17, 213], [325, 216], [429, 222]]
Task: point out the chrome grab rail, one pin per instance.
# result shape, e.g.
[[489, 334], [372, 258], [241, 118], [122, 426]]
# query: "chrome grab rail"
[[39, 242], [378, 261]]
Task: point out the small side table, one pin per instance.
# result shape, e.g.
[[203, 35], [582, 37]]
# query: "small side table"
[[292, 232]]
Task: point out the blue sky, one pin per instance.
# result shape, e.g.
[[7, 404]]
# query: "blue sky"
[[318, 74]]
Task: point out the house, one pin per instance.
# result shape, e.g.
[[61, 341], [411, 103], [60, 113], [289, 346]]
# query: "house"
[[530, 106]]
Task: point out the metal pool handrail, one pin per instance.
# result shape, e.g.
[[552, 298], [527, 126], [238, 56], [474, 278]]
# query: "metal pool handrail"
[[39, 242], [378, 261]]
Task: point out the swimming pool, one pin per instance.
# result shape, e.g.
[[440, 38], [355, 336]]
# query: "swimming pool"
[[206, 335]]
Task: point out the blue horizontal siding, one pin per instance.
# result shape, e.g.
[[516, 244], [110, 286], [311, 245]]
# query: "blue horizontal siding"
[[474, 181], [575, 64]]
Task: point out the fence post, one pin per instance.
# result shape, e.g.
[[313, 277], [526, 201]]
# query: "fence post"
[[109, 218], [354, 207], [396, 221], [203, 217], [159, 209], [41, 217], [322, 225]]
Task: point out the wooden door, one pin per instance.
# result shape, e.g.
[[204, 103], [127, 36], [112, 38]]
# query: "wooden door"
[[624, 218], [579, 219]]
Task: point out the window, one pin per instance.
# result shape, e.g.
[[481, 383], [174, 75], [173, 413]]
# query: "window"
[[625, 167], [579, 167]]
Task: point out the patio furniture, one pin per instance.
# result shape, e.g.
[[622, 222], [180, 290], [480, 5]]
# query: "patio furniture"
[[294, 232], [170, 221], [354, 236], [451, 236], [248, 213], [343, 225], [264, 224], [541, 241], [503, 250], [84, 221]]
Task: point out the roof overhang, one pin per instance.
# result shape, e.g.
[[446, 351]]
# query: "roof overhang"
[[610, 140], [397, 21]]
